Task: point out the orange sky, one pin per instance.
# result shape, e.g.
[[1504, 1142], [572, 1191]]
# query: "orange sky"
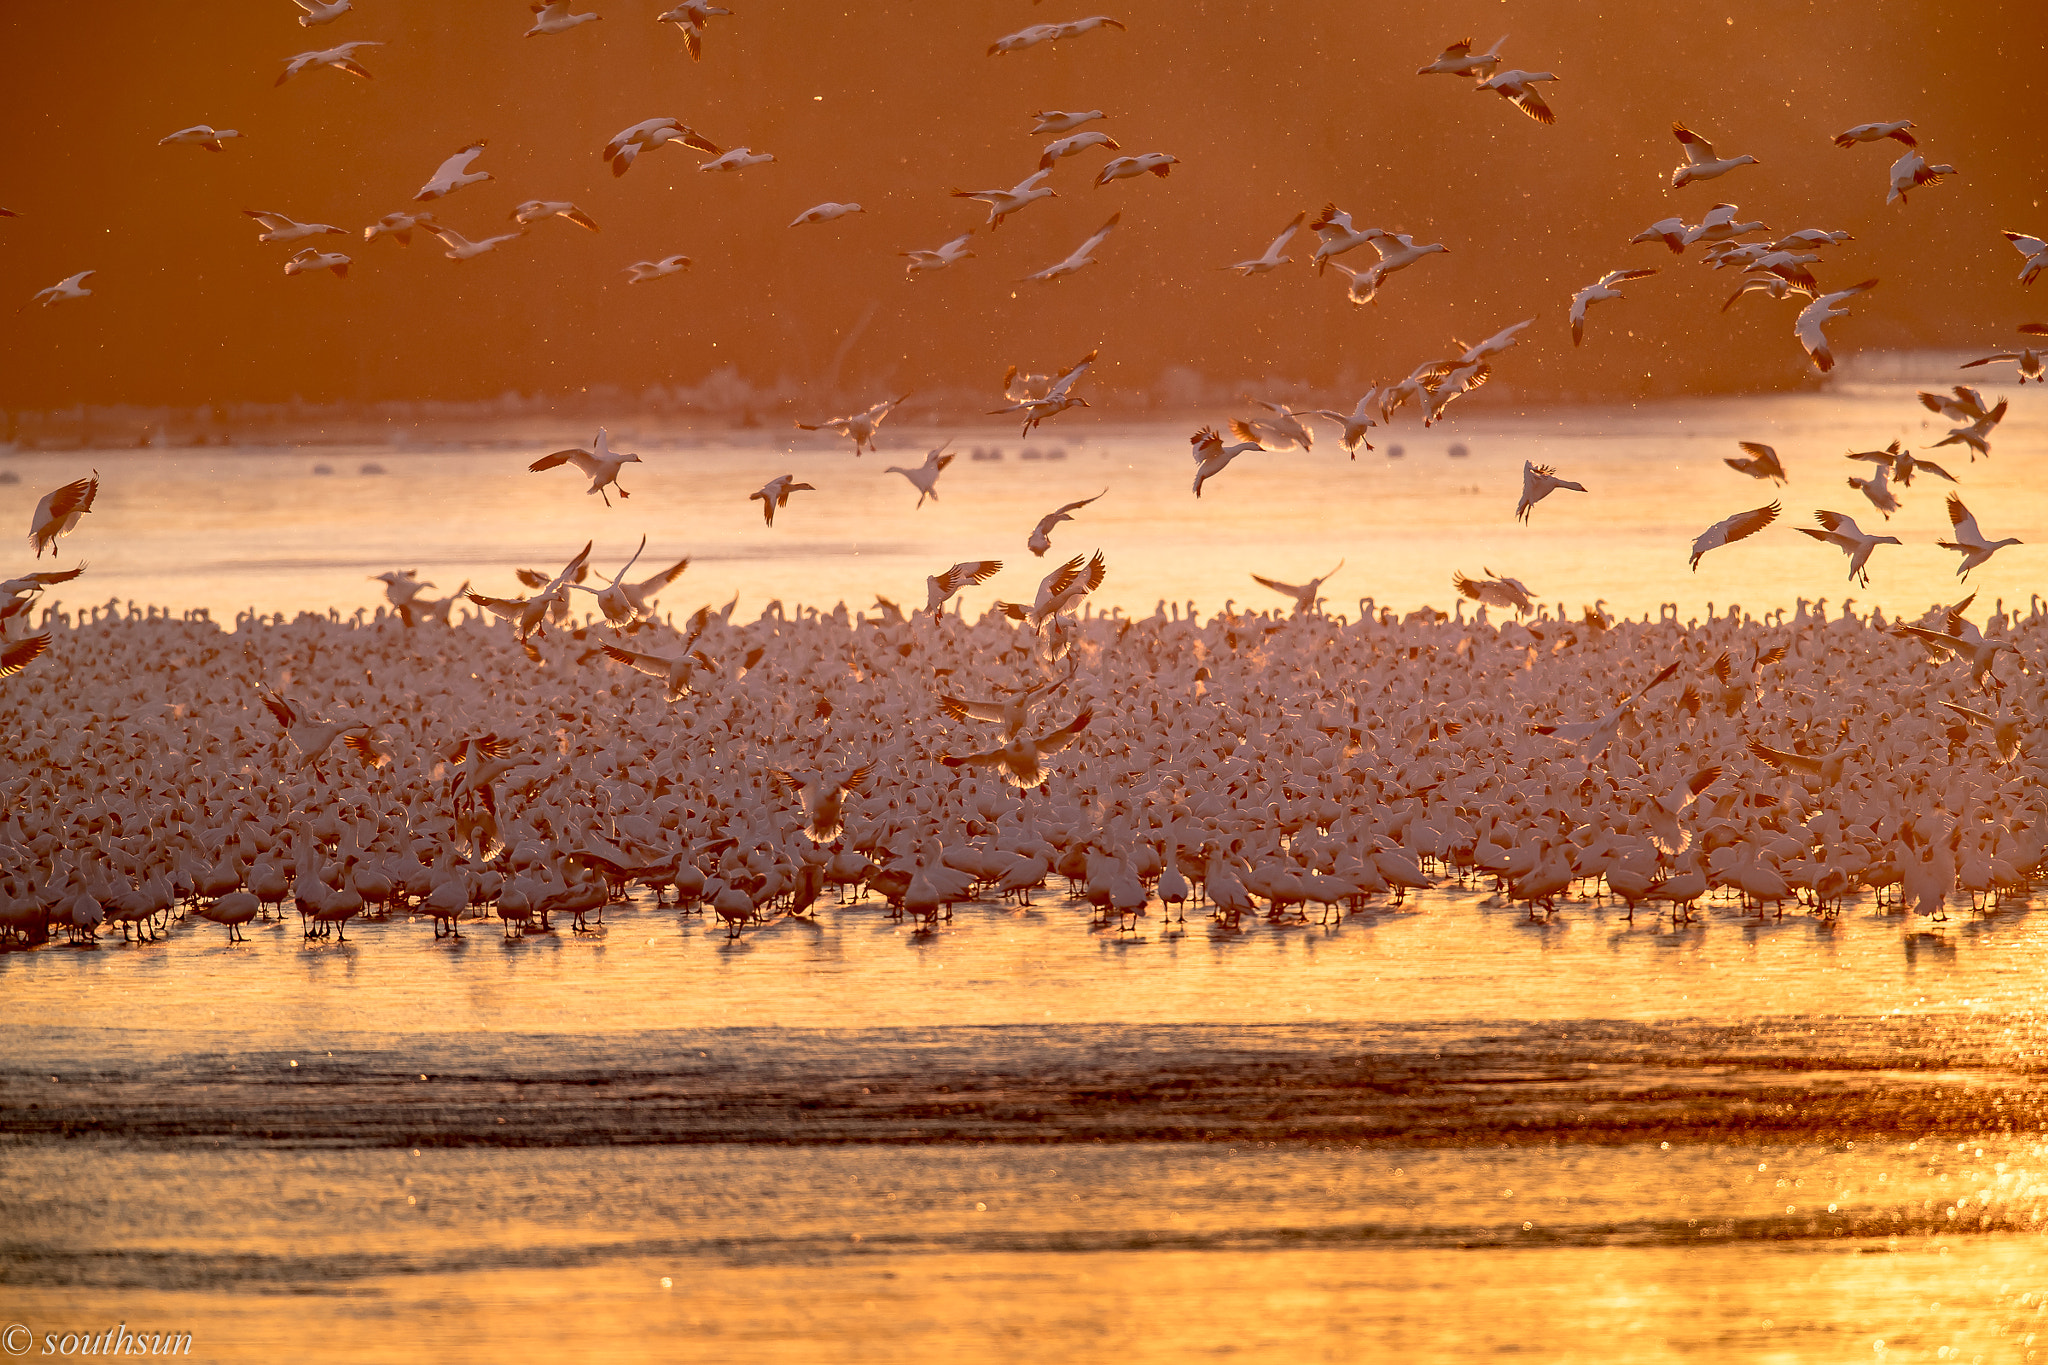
[[1271, 108]]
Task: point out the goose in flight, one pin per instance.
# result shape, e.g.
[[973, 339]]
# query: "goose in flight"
[[2028, 360], [1816, 315], [939, 587], [620, 608], [691, 18], [1074, 145], [1011, 712], [317, 12], [1305, 595], [738, 159], [678, 675], [1074, 28], [642, 271], [1397, 251], [775, 493], [533, 210], [1827, 767], [58, 513], [313, 258], [1003, 203], [1058, 121], [1281, 429], [1021, 760], [401, 586], [1272, 259], [1700, 161], [598, 462], [825, 213], [1594, 736], [460, 248], [628, 143], [1811, 237], [1841, 531], [925, 478], [1902, 463], [342, 58], [399, 226], [1517, 88], [1966, 406], [1539, 481], [861, 426], [1058, 591], [640, 596], [1041, 535], [2008, 733], [312, 737], [1722, 223], [1510, 593], [1212, 457], [1670, 231], [1910, 172], [1083, 255], [1338, 235], [823, 798], [2034, 250], [1600, 291], [1776, 287], [1969, 541], [1732, 529], [1030, 36], [1355, 423], [1977, 434], [1873, 132], [64, 290], [280, 229], [552, 16], [201, 135], [952, 253], [1962, 640], [1131, 167], [1058, 397], [529, 614], [1763, 462], [1460, 60], [16, 655], [1877, 488]]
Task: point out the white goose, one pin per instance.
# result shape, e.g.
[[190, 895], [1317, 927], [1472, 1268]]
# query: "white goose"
[[1731, 529], [738, 159], [1700, 161], [598, 462], [1041, 535], [317, 12], [1130, 167], [860, 428], [1910, 172], [198, 135], [1517, 88], [1305, 595], [313, 258], [1003, 203], [2028, 359], [1842, 531], [2034, 250], [691, 18], [925, 478], [1877, 488], [534, 210], [627, 144], [825, 213], [1062, 121], [1670, 231], [58, 512], [1074, 145], [1816, 315], [63, 291], [1977, 434], [1334, 226], [460, 248], [1720, 225], [641, 271], [1082, 256], [553, 16], [1510, 593], [775, 493], [1600, 291], [941, 586], [951, 253], [280, 229], [1539, 481], [1212, 457], [1969, 541], [1873, 132], [399, 226], [1763, 462], [1272, 259], [342, 58], [1460, 60], [1355, 423]]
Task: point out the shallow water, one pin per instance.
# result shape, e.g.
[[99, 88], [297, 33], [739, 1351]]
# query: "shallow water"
[[234, 529]]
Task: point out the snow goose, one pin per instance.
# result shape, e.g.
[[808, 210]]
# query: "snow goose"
[[691, 18], [201, 135], [1827, 767], [941, 586], [1305, 596], [2034, 250], [621, 609], [1277, 431], [1843, 533], [1593, 736], [1720, 225], [1334, 227], [16, 655], [280, 229], [1977, 434], [823, 798], [1074, 145], [825, 213], [1700, 161], [1021, 761], [533, 210], [1910, 172], [1877, 488], [1731, 529], [341, 58], [460, 248], [1539, 481], [2008, 733], [1272, 259], [1789, 266], [598, 462], [1816, 315], [1059, 591], [1030, 36], [1082, 256], [925, 478], [775, 493], [1670, 231], [1902, 463], [1873, 132], [1516, 87], [1212, 456], [1775, 286], [1762, 463], [1355, 423], [1058, 397], [1600, 291], [313, 258], [860, 428], [678, 675], [1969, 541], [1058, 121], [310, 736], [1397, 251], [1012, 712], [1811, 237], [738, 159], [66, 289], [58, 512], [553, 16], [1041, 535], [1966, 406], [399, 226], [1074, 28], [951, 253], [1460, 60], [317, 12], [1130, 167], [2028, 360], [627, 144], [1003, 203], [641, 271], [1509, 593]]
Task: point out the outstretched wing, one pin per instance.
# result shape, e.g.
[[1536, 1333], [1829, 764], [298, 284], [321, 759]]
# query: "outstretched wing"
[[1059, 739]]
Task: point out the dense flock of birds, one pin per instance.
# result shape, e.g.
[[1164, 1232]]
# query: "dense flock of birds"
[[1258, 764]]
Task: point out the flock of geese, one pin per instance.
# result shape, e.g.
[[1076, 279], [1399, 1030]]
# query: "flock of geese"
[[1258, 764]]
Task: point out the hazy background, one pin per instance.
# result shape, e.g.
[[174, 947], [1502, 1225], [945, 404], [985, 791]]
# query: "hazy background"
[[1272, 109]]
